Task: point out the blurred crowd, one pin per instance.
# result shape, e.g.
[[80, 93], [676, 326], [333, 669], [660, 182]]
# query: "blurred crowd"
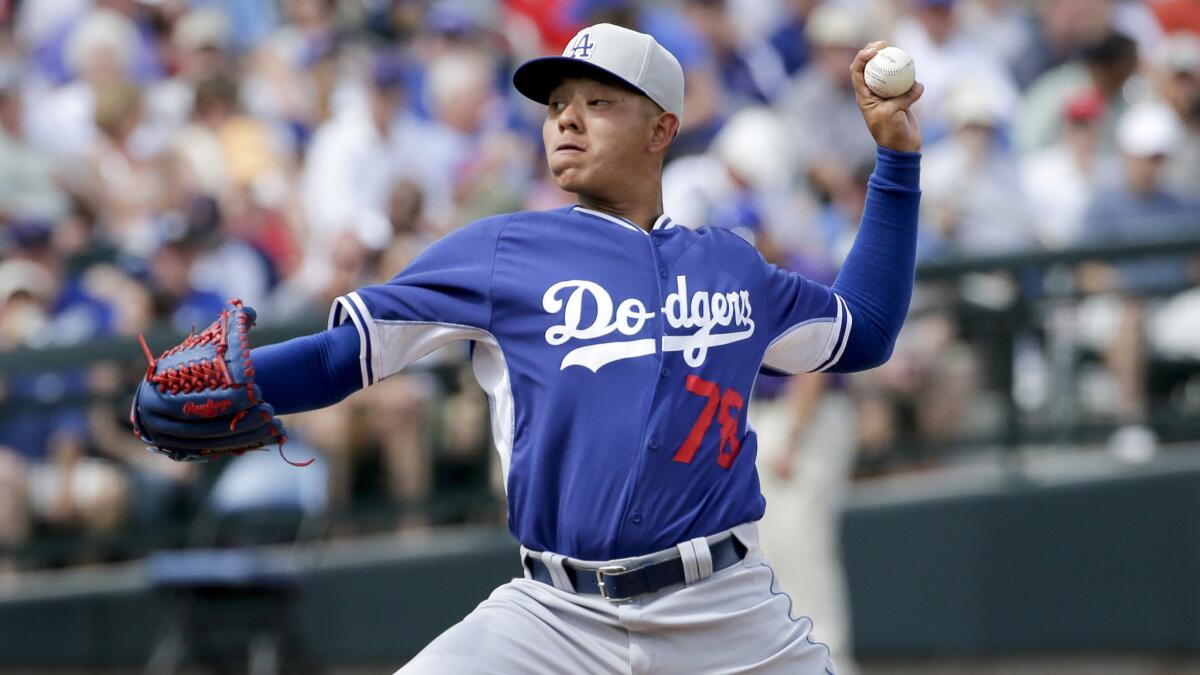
[[160, 156]]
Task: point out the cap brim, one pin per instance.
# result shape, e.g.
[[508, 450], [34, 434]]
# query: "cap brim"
[[535, 79]]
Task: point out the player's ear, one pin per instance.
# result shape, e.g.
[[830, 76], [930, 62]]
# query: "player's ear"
[[664, 129]]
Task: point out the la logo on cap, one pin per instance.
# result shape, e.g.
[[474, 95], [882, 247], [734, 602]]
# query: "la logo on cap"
[[580, 47], [631, 57]]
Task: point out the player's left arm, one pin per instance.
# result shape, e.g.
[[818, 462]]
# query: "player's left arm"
[[310, 372], [853, 325], [375, 331]]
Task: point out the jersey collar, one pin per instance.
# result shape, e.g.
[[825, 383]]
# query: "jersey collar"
[[662, 223]]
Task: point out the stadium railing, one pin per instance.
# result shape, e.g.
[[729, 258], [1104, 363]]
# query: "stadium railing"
[[1042, 282]]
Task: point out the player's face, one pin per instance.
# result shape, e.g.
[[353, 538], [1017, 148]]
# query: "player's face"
[[596, 136]]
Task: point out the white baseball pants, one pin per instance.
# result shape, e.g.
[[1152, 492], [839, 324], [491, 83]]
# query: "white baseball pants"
[[735, 621]]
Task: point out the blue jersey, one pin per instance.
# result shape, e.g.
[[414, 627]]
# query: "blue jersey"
[[618, 364]]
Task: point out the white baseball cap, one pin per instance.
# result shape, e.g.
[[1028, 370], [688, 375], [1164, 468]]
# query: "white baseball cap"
[[1149, 129], [631, 57], [835, 26], [749, 144]]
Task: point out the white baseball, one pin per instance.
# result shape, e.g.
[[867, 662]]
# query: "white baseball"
[[890, 72]]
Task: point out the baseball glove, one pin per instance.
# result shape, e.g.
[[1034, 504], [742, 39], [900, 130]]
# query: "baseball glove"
[[199, 399]]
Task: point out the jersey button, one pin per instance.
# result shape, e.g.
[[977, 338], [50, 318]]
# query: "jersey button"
[[665, 372], [662, 272], [653, 444], [657, 241], [637, 519]]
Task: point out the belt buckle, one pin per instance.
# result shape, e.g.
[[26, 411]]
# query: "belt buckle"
[[609, 569]]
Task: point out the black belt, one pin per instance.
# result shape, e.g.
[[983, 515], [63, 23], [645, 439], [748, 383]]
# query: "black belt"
[[614, 582]]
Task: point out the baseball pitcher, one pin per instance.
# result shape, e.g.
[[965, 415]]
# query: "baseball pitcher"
[[618, 350]]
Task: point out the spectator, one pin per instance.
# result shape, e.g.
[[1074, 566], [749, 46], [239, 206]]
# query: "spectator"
[[176, 299], [946, 55], [398, 418], [352, 163], [125, 184], [1104, 66], [972, 202], [43, 441], [28, 178], [226, 263], [74, 313], [197, 47], [832, 148], [733, 185], [1004, 28], [100, 52], [1059, 181], [470, 164], [836, 222], [27, 292], [1059, 30], [339, 435], [806, 459], [36, 21], [1139, 208], [789, 37], [750, 71], [56, 52], [158, 491], [1177, 80], [199, 155], [278, 88], [231, 157], [14, 518]]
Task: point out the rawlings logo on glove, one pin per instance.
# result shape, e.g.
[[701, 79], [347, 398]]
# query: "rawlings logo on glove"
[[199, 398], [210, 408]]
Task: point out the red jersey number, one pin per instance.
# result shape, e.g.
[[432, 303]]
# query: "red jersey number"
[[730, 445]]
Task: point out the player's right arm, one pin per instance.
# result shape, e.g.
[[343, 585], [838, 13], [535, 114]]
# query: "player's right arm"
[[443, 296], [853, 324]]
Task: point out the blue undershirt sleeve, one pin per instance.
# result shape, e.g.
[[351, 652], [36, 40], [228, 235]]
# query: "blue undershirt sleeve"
[[876, 280], [309, 372]]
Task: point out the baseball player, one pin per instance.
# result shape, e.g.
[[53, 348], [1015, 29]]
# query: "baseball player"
[[618, 350]]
